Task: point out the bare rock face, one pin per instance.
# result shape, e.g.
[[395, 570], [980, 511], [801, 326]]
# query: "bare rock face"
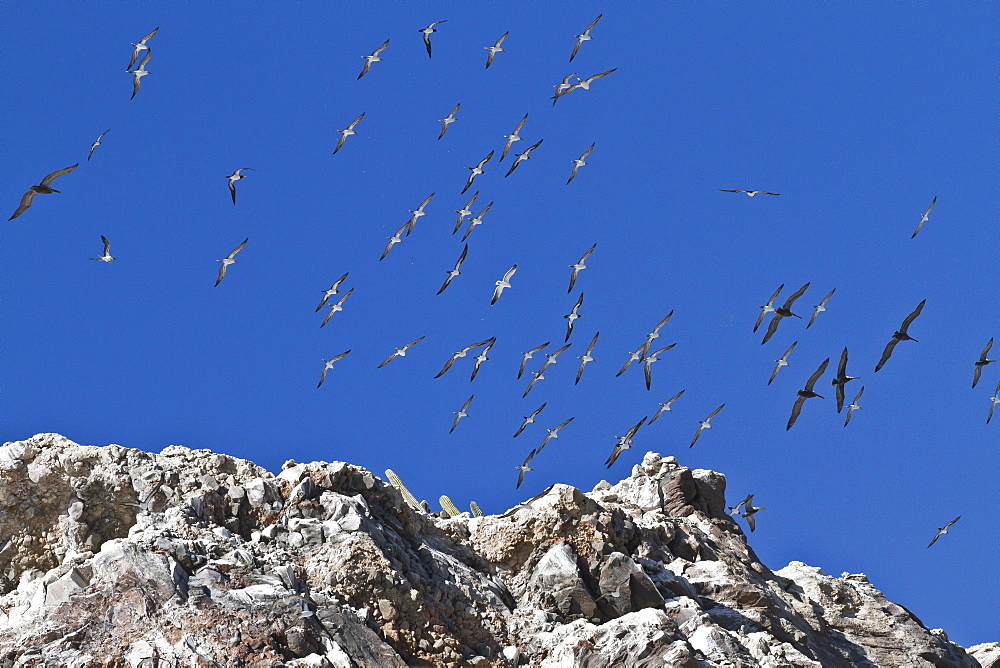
[[115, 557]]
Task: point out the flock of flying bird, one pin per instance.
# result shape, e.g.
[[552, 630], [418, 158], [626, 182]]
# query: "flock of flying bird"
[[642, 352]]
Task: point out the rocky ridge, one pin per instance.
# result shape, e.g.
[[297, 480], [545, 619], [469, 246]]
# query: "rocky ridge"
[[111, 556]]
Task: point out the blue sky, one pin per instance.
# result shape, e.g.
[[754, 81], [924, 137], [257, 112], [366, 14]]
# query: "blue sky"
[[857, 114]]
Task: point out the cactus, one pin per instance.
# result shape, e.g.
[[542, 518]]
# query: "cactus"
[[474, 507], [398, 484], [448, 507]]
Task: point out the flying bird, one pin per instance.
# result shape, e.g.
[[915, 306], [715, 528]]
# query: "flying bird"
[[512, 137], [550, 358], [400, 352], [733, 510], [853, 406], [982, 362], [416, 214], [529, 419], [665, 406], [373, 58], [334, 308], [460, 413], [449, 119], [748, 512], [648, 362], [842, 379], [503, 283], [901, 335], [655, 334], [523, 468], [572, 316], [579, 162], [578, 267], [454, 272], [228, 261], [580, 39], [139, 46], [806, 393], [585, 83], [525, 356], [476, 220], [346, 132], [783, 311], [524, 155], [751, 193], [462, 353], [480, 358], [40, 189], [817, 308], [495, 49], [781, 362], [233, 178], [767, 308], [427, 37], [535, 377], [623, 444], [943, 530], [463, 212], [107, 252], [330, 292], [553, 433], [328, 364], [394, 239], [633, 357], [704, 424], [476, 171], [994, 400], [584, 358], [923, 217], [139, 73], [562, 88], [97, 143]]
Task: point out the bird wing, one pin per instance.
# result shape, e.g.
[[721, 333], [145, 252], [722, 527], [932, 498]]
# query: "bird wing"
[[322, 377], [913, 236], [356, 121], [842, 365], [56, 174], [840, 397], [143, 40], [952, 522], [467, 402], [887, 353], [222, 274], [142, 63], [25, 203], [976, 374], [714, 413], [238, 248], [593, 342], [982, 355], [750, 521], [232, 184], [609, 462], [775, 372], [933, 202], [830, 294], [772, 327], [816, 374], [602, 74], [813, 318], [538, 410], [592, 24], [427, 40], [780, 287], [502, 38], [732, 191], [796, 409], [572, 176], [790, 348], [510, 272], [381, 48], [566, 422], [343, 299], [795, 295], [760, 319], [910, 318], [135, 54], [628, 363], [586, 153], [107, 245], [579, 371], [576, 47], [656, 330], [647, 369], [696, 435], [533, 146], [454, 423], [989, 416], [444, 129], [934, 539], [388, 359], [368, 66], [447, 365], [514, 165]]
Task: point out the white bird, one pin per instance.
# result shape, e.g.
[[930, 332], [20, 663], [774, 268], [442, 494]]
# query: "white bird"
[[512, 137], [427, 35], [536, 376], [233, 178], [648, 361], [624, 443], [476, 171], [578, 267], [982, 361], [550, 358], [584, 358], [655, 334], [228, 261], [529, 419], [394, 239], [40, 189], [107, 252], [923, 217], [553, 433], [523, 468], [525, 356], [943, 530], [665, 406], [460, 413], [580, 39], [373, 58], [634, 356], [704, 424], [503, 283], [733, 510], [994, 400], [572, 316], [454, 272], [476, 220], [448, 120], [767, 308], [97, 143], [335, 308], [328, 364], [853, 406], [330, 292], [818, 308], [562, 87], [463, 212], [345, 133], [781, 362], [585, 83], [524, 155], [139, 73], [462, 353], [495, 49], [579, 162], [751, 193], [400, 352], [139, 46], [481, 357], [417, 213]]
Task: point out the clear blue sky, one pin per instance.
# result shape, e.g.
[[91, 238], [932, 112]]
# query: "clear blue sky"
[[857, 114]]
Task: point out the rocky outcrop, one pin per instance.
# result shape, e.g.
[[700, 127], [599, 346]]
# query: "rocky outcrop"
[[116, 557]]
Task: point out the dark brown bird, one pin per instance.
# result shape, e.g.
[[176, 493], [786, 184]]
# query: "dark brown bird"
[[982, 362], [41, 189], [783, 311], [842, 379], [806, 393], [901, 335]]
